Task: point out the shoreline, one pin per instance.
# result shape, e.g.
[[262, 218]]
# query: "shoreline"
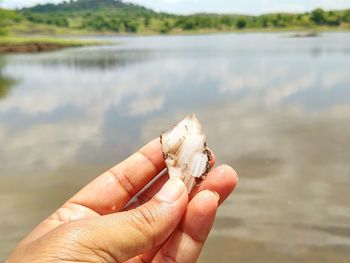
[[42, 43], [11, 44], [206, 32], [32, 47]]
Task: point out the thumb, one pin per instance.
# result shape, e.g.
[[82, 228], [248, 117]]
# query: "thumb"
[[127, 234]]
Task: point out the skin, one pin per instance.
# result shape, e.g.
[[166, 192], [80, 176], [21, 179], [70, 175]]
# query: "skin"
[[164, 224]]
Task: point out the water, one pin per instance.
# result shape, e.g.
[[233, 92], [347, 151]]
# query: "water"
[[275, 108]]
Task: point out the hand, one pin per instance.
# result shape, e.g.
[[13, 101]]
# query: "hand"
[[165, 224]]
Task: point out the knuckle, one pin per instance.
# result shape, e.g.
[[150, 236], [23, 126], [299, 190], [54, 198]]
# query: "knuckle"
[[146, 214]]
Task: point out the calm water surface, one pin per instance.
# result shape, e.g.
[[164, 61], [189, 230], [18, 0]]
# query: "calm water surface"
[[275, 108]]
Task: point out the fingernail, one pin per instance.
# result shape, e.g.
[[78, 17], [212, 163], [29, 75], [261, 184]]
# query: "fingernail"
[[217, 195], [171, 191]]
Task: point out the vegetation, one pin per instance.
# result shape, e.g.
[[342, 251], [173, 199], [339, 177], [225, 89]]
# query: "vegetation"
[[35, 44], [45, 40], [115, 16], [7, 17]]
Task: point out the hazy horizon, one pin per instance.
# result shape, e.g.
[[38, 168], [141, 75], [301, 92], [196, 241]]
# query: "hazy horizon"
[[254, 7]]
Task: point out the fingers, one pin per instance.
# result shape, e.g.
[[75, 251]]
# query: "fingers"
[[127, 234], [111, 191], [222, 180], [148, 193], [187, 242]]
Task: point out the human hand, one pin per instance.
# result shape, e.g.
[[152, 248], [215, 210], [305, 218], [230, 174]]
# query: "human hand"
[[165, 224]]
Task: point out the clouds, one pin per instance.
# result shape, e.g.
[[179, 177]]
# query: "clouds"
[[142, 106], [222, 6]]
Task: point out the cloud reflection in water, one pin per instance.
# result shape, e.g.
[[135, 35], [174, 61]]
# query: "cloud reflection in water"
[[275, 111]]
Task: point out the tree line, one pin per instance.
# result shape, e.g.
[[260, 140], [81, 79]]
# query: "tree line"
[[141, 20]]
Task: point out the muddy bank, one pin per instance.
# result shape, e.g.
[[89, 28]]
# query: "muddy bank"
[[33, 47]]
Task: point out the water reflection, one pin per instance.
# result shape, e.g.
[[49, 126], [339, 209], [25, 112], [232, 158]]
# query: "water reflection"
[[106, 58], [293, 169], [242, 250], [5, 82], [280, 118]]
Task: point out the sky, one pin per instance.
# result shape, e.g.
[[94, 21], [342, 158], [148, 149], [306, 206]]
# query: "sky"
[[217, 6]]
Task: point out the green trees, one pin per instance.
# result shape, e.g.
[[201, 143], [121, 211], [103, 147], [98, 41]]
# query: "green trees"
[[241, 23], [58, 19], [186, 23], [346, 16], [264, 22], [205, 22], [131, 26], [227, 21], [333, 20], [120, 16], [99, 23], [166, 28], [110, 23], [318, 16], [147, 20]]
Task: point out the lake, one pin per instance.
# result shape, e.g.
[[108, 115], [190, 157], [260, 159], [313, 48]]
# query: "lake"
[[276, 108]]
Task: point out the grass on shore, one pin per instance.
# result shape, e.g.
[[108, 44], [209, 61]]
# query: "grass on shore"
[[17, 44]]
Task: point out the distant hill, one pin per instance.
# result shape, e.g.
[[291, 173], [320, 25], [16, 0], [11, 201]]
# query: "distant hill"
[[87, 6], [116, 16], [92, 15]]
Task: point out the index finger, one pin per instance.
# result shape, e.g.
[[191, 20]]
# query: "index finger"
[[112, 190]]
